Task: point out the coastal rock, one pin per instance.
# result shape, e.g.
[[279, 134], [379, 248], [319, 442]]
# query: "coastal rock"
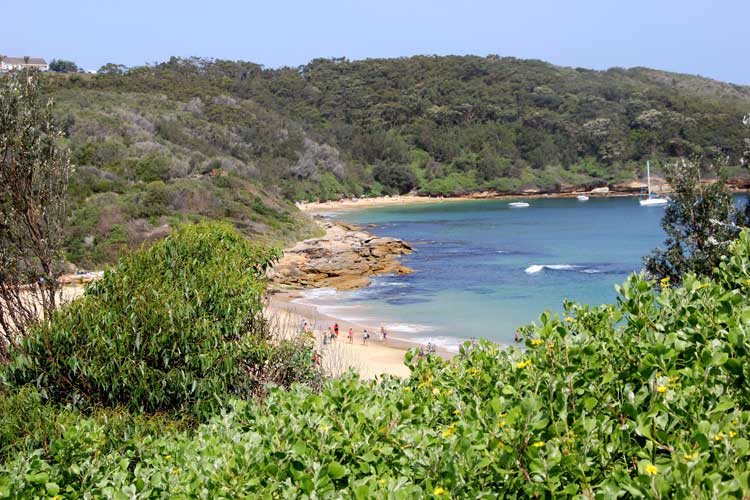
[[344, 259]]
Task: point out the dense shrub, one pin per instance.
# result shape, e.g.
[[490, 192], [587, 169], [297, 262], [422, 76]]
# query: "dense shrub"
[[645, 398], [399, 178], [178, 326]]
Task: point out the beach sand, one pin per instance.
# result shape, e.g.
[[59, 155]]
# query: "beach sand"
[[323, 207], [371, 360]]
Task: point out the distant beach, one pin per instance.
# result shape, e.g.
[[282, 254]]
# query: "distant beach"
[[376, 358]]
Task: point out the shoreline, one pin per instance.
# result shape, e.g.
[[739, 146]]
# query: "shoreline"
[[347, 204], [322, 207], [376, 358]]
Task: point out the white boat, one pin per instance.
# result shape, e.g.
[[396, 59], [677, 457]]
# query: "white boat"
[[518, 204], [653, 199], [582, 197]]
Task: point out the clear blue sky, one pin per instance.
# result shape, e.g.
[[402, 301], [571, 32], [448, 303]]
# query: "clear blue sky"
[[706, 37]]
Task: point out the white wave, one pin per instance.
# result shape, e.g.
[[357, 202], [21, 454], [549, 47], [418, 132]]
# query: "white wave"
[[406, 327], [317, 293], [393, 283], [591, 271], [450, 344], [535, 268]]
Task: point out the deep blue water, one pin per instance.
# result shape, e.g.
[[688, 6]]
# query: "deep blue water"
[[478, 263]]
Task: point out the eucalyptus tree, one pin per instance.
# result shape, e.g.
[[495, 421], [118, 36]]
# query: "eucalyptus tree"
[[34, 174]]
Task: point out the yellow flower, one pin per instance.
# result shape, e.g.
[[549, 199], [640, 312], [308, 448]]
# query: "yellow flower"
[[167, 457], [734, 422], [450, 391], [324, 428], [719, 436], [537, 342], [456, 411], [523, 364], [662, 389], [435, 391], [651, 470], [689, 457], [569, 319], [474, 371], [407, 389], [538, 444], [732, 434], [438, 491], [447, 432], [501, 423], [382, 482], [664, 282]]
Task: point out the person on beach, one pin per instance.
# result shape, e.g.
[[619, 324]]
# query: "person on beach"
[[365, 337], [336, 329], [383, 333], [351, 336]]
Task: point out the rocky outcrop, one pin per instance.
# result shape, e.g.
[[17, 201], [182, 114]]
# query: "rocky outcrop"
[[344, 259]]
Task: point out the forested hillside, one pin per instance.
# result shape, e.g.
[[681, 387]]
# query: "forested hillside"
[[221, 139]]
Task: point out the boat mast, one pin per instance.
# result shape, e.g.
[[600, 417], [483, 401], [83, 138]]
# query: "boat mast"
[[648, 176]]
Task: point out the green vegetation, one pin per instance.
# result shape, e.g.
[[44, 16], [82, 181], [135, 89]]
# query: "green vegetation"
[[647, 397], [178, 327], [700, 222], [34, 173], [218, 134], [63, 66]]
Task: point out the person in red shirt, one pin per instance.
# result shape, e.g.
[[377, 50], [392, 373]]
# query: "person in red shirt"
[[336, 329]]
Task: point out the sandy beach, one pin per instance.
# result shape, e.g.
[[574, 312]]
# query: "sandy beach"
[[376, 358], [322, 207]]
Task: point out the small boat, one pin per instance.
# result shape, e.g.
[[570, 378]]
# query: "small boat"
[[518, 204], [652, 200], [582, 197]]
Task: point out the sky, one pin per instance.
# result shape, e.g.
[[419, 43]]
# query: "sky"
[[708, 37]]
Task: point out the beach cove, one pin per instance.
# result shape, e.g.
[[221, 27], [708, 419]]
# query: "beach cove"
[[482, 269]]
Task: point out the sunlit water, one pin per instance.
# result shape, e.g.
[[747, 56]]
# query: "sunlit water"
[[482, 269]]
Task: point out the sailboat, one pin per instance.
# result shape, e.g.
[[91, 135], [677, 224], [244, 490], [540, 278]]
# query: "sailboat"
[[653, 199]]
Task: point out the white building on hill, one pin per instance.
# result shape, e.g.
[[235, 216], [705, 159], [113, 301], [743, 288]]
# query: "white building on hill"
[[8, 63]]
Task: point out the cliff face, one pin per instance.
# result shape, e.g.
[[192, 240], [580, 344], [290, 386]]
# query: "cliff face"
[[344, 259]]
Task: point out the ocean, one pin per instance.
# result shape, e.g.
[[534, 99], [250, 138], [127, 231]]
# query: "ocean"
[[482, 269]]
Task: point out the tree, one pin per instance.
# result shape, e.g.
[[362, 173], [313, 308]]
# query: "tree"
[[700, 221], [33, 183], [63, 66], [112, 69], [399, 178]]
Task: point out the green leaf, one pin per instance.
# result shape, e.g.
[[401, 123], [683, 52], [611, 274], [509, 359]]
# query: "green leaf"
[[336, 470]]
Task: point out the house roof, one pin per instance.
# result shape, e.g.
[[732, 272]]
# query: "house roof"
[[22, 60]]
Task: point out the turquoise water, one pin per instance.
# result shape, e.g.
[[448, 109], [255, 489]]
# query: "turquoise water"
[[482, 269]]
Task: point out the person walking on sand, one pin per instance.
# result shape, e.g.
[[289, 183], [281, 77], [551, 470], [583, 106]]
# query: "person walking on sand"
[[336, 329], [365, 336], [383, 333], [351, 336]]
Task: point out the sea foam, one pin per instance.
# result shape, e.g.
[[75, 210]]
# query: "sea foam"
[[535, 268]]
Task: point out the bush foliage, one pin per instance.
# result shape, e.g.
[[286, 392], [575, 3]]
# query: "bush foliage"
[[644, 398], [175, 327]]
